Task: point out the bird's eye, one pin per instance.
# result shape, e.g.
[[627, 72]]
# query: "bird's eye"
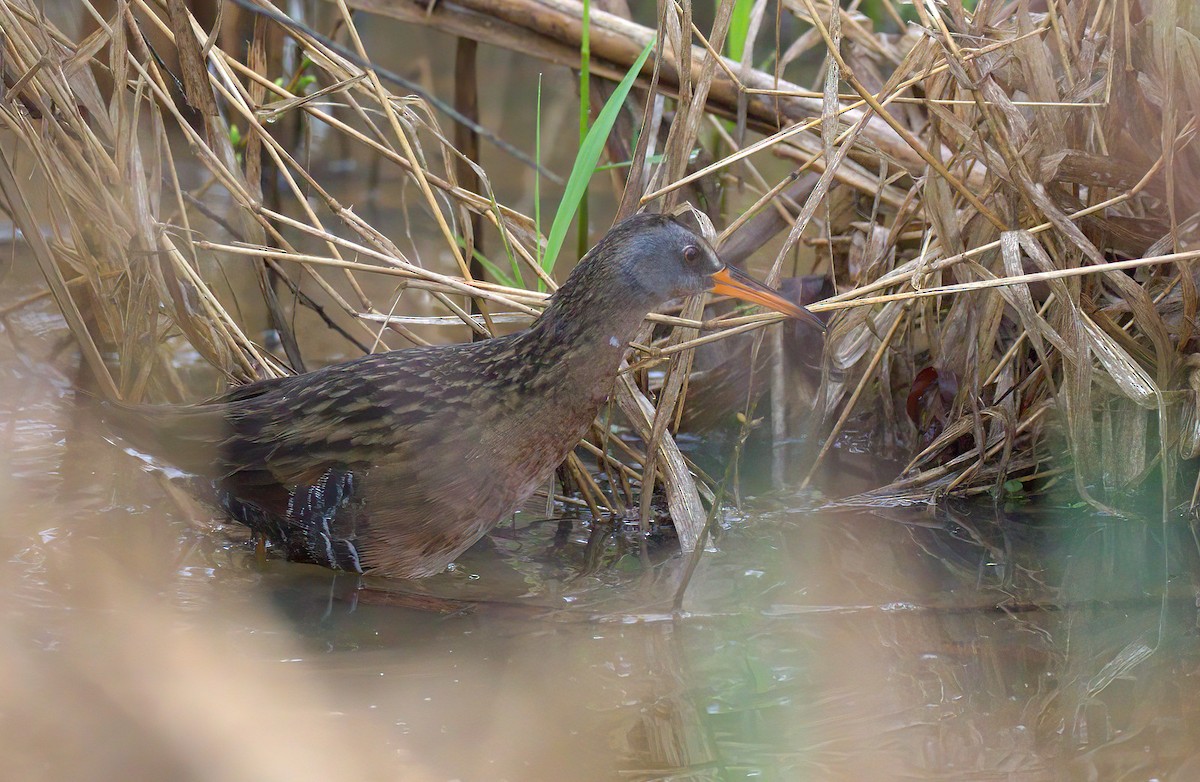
[[691, 253]]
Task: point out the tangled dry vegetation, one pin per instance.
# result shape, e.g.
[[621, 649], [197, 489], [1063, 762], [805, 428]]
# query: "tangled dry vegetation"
[[1001, 204]]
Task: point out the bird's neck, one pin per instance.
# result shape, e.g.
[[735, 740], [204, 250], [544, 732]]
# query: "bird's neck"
[[579, 340]]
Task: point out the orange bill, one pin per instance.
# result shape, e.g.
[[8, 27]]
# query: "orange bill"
[[736, 283]]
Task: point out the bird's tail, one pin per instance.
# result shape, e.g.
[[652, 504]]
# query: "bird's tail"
[[187, 437]]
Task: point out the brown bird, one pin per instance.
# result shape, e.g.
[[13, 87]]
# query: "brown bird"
[[395, 463]]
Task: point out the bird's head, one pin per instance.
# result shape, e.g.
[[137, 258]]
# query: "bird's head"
[[657, 258]]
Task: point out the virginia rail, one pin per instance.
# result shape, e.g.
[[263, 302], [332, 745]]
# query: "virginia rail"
[[395, 463]]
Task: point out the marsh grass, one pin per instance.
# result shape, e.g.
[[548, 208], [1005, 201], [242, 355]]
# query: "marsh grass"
[[1006, 203]]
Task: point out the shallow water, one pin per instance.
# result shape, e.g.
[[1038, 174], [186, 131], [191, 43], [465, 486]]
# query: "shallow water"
[[957, 642]]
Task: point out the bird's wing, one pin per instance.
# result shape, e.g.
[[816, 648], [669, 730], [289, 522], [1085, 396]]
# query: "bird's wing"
[[346, 415], [288, 430]]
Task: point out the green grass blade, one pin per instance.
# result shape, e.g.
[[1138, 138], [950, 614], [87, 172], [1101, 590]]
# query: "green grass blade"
[[513, 281], [537, 175], [739, 27], [498, 273], [585, 114], [586, 160]]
